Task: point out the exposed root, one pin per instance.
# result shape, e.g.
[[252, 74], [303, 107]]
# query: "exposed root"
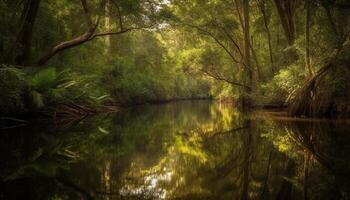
[[309, 101], [68, 114]]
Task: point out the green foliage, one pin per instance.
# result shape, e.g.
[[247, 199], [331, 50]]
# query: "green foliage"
[[25, 90], [48, 87], [281, 89], [45, 79], [131, 85], [176, 48], [12, 87]]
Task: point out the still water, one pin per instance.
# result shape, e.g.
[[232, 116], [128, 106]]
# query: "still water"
[[184, 150]]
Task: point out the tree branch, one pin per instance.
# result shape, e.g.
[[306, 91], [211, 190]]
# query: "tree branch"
[[230, 38], [216, 40], [111, 33], [88, 35], [220, 78]]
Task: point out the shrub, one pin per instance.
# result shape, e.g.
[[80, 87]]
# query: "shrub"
[[281, 89], [12, 87]]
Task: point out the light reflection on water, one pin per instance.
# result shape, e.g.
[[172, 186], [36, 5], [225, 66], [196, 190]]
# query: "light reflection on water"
[[150, 186], [183, 150]]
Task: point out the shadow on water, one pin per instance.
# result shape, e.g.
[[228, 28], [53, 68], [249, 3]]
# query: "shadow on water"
[[183, 150]]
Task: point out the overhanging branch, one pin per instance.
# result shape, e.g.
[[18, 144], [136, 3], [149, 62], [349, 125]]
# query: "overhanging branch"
[[216, 40], [221, 78], [221, 44], [88, 35]]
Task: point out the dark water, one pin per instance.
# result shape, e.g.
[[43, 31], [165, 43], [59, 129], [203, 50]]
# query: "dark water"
[[185, 150]]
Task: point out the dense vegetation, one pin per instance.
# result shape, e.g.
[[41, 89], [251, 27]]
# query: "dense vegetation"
[[64, 61], [74, 57]]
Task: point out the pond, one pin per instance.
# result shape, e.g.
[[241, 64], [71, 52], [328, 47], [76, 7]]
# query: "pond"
[[183, 150]]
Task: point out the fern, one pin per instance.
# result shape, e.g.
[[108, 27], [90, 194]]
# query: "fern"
[[44, 79], [49, 86]]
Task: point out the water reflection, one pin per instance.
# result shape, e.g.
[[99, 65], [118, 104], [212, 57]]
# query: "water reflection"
[[184, 150]]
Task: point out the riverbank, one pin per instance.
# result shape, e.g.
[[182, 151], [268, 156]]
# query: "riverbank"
[[71, 112]]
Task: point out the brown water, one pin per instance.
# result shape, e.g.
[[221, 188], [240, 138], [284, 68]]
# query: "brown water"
[[184, 150]]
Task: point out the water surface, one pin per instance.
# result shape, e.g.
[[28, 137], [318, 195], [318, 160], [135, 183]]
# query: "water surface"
[[183, 150]]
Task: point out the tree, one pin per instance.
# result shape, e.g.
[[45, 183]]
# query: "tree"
[[307, 38], [248, 70], [22, 48], [262, 8], [286, 10], [143, 14], [220, 26]]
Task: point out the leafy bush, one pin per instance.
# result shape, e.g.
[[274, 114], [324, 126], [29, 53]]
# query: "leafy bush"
[[282, 87], [46, 86], [24, 90], [129, 84], [12, 87]]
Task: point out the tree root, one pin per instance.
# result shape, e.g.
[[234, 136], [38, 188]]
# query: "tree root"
[[308, 100], [68, 114]]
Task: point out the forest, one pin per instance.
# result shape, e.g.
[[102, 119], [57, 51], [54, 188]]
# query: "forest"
[[84, 56], [145, 96]]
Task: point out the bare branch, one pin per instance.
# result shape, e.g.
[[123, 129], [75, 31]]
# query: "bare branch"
[[216, 40], [230, 38], [125, 30], [220, 78]]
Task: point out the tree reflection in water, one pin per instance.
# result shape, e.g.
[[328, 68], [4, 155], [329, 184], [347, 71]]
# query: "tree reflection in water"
[[184, 150]]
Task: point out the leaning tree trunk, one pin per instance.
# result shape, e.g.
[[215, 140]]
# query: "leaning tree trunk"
[[307, 101], [85, 37], [22, 48]]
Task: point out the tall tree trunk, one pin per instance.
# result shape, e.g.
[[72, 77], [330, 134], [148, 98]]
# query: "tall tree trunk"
[[266, 24], [248, 70], [332, 23], [259, 74], [108, 25], [286, 9], [307, 39], [22, 48]]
